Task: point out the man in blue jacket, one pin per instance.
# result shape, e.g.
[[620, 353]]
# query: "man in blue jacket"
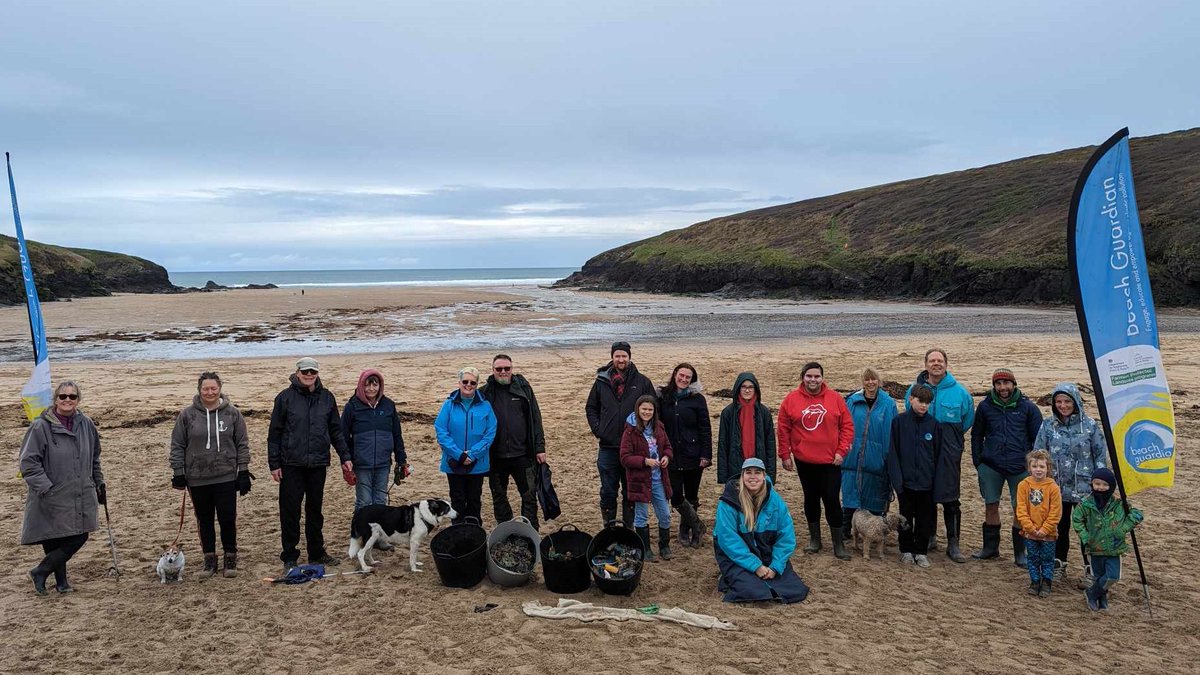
[[954, 410], [1006, 425]]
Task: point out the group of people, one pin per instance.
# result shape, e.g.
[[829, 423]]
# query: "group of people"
[[857, 452]]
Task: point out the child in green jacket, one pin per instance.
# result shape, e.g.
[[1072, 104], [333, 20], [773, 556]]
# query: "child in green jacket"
[[1102, 523]]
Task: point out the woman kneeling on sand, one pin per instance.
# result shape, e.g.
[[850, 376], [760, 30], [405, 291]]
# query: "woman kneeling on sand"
[[755, 540]]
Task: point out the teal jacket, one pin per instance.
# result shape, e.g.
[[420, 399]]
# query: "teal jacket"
[[952, 403], [465, 430], [773, 517]]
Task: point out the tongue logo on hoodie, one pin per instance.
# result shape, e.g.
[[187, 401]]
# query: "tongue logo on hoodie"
[[812, 416]]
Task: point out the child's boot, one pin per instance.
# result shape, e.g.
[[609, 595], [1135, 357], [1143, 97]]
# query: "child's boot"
[[1046, 589], [644, 533], [1035, 588]]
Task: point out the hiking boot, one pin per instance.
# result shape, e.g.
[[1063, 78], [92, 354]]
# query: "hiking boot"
[[1018, 543], [644, 534], [289, 565], [1035, 588], [210, 566], [814, 538], [664, 543], [324, 559], [991, 543], [1092, 603], [922, 561], [230, 567], [1046, 589], [906, 559], [839, 544]]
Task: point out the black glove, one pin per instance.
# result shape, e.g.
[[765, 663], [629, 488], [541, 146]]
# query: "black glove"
[[101, 494], [243, 482], [179, 482], [402, 472]]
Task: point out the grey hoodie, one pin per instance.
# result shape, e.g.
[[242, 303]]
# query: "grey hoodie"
[[209, 446]]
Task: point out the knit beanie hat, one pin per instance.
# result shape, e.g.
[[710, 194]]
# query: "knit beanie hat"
[[1003, 374], [1105, 474], [620, 347]]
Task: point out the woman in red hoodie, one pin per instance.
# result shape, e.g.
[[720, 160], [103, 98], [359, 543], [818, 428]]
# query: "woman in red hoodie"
[[815, 433]]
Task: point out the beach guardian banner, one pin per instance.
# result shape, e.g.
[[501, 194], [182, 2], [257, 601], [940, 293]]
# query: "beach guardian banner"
[[36, 393], [1117, 319]]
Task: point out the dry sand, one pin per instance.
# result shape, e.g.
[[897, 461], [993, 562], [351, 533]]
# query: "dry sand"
[[861, 615]]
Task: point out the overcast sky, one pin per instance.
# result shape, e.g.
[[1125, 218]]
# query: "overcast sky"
[[290, 135]]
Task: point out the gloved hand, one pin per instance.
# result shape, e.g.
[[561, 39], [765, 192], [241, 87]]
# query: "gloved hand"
[[402, 472], [101, 494], [243, 482], [179, 482], [348, 475]]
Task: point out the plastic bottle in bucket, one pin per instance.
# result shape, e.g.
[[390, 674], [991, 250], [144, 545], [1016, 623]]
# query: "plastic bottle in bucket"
[[616, 559]]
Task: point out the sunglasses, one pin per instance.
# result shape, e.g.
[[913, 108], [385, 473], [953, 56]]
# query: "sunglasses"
[[470, 383], [68, 397], [308, 371], [502, 369]]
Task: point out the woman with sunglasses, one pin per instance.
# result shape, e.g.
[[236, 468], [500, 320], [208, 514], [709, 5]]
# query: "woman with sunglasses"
[[60, 461], [466, 427]]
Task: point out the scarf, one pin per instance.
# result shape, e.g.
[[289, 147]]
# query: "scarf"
[[1102, 498], [746, 410], [67, 422], [618, 382]]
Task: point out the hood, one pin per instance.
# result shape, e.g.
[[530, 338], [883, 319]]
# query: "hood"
[[947, 382], [360, 392], [604, 372], [199, 405], [1071, 390], [737, 386], [730, 494], [296, 383]]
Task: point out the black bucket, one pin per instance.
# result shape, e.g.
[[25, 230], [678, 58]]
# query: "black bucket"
[[567, 576], [460, 553], [617, 533]]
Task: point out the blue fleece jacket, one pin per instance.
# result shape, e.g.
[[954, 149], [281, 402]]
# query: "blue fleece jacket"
[[463, 428], [773, 516]]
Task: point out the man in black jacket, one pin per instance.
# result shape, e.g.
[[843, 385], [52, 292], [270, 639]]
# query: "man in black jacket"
[[304, 423], [616, 389], [520, 443]]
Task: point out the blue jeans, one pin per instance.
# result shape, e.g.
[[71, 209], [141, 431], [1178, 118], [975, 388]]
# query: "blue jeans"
[[1107, 571], [371, 486], [612, 477], [991, 484], [1040, 560], [662, 508]]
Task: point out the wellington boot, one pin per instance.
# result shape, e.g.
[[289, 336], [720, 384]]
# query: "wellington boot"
[[991, 543], [1018, 543], [814, 538], [664, 543], [644, 533], [607, 516], [839, 544]]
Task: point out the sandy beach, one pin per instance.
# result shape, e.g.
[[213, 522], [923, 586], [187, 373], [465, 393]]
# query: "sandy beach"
[[861, 615]]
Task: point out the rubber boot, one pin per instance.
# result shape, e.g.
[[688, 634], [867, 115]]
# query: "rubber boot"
[[685, 533], [839, 544], [991, 543], [627, 514], [1018, 548], [953, 527], [664, 543], [39, 574], [644, 533], [814, 538], [698, 527], [607, 516], [687, 523], [1046, 589], [60, 579], [230, 570], [847, 530], [210, 566]]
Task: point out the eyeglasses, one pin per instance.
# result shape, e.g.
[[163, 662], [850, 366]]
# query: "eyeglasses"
[[308, 371], [470, 383], [502, 369], [68, 397]]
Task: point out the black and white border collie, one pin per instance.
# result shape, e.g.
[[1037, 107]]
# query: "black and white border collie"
[[394, 524]]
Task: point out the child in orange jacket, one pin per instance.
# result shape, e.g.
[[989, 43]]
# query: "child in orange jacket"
[[1039, 508]]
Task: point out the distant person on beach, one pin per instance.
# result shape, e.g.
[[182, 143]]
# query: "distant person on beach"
[[1077, 448], [371, 427], [617, 387], [304, 423], [520, 443], [684, 413], [912, 470], [60, 462], [646, 456], [210, 458], [1039, 511], [864, 471], [1006, 425], [754, 539], [815, 434], [466, 428], [953, 407], [746, 430]]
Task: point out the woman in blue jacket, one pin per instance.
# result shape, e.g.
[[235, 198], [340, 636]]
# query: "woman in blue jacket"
[[466, 426], [371, 427], [754, 539], [864, 471]]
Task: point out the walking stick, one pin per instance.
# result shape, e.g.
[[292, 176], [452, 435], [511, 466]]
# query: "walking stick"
[[114, 570]]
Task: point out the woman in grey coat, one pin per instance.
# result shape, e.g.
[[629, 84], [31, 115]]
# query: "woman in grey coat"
[[60, 461]]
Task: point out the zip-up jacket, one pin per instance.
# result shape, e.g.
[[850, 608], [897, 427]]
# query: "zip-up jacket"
[[303, 425], [535, 436], [1004, 432], [465, 430], [1076, 446], [605, 412], [912, 457], [209, 446], [688, 426]]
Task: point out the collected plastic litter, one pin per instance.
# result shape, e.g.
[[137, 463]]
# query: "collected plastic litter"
[[515, 554], [617, 562]]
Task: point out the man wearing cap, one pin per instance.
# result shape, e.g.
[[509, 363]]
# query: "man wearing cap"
[[304, 423], [616, 389], [1006, 425], [954, 410]]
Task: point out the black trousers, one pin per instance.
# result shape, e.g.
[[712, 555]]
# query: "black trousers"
[[58, 551], [522, 474], [466, 491], [685, 484], [1062, 545], [821, 483], [219, 499], [918, 507], [301, 485]]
